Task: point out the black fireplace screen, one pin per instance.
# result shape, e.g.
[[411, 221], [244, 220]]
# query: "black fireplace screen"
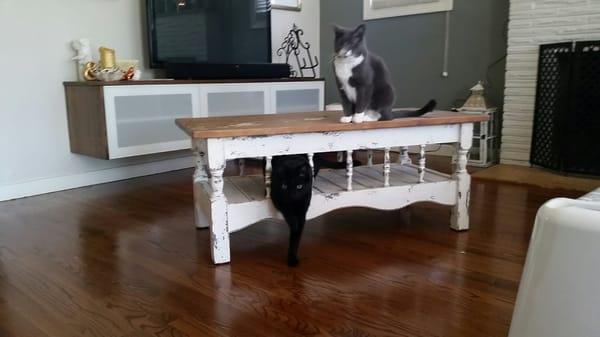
[[566, 125]]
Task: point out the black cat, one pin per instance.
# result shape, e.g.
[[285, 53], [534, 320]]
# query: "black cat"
[[364, 80], [291, 192]]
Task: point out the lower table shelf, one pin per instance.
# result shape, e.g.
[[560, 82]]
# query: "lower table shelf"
[[247, 203]]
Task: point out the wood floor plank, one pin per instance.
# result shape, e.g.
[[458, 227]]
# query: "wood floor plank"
[[124, 259]]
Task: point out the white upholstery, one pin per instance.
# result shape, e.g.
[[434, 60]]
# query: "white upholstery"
[[559, 294]]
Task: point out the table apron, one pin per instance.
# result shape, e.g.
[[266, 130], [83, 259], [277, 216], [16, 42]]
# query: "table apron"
[[316, 142]]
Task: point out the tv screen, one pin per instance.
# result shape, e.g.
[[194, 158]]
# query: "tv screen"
[[209, 31]]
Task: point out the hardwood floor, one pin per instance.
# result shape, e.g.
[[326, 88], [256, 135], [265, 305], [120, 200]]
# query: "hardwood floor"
[[123, 259]]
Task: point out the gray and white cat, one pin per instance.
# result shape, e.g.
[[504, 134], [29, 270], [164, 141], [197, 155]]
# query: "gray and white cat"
[[364, 80]]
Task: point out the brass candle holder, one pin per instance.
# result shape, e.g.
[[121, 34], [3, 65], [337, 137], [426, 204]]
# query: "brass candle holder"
[[107, 58]]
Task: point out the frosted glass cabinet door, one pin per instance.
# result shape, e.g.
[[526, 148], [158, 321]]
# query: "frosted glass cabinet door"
[[141, 119], [297, 97], [235, 100]]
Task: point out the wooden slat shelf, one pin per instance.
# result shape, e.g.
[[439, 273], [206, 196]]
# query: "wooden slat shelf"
[[242, 189]]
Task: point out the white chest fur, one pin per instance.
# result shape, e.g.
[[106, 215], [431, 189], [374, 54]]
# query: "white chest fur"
[[343, 71]]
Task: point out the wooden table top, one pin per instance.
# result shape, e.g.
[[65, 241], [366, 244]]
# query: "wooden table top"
[[304, 122]]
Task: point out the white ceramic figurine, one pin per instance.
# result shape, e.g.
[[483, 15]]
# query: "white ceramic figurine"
[[84, 55]]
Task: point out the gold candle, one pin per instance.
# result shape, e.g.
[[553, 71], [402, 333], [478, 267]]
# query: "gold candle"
[[107, 58]]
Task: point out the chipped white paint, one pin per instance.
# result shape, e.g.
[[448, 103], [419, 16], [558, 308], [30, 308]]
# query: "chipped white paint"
[[219, 231], [233, 203], [460, 211], [422, 164], [349, 170], [316, 142]]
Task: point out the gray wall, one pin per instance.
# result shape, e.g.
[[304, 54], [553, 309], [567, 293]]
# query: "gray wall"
[[413, 47]]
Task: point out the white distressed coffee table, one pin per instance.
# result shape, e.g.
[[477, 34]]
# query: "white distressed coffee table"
[[229, 204]]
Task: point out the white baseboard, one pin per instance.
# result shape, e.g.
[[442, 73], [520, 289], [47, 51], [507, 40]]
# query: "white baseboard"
[[42, 186], [49, 185]]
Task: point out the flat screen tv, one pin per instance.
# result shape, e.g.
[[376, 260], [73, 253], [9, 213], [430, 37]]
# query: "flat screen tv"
[[209, 32]]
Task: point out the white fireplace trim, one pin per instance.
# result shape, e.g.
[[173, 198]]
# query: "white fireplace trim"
[[533, 23]]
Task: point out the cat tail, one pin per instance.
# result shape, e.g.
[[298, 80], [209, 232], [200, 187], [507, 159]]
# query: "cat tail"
[[429, 107]]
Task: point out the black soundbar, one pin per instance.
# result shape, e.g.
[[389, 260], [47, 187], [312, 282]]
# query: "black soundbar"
[[198, 71]]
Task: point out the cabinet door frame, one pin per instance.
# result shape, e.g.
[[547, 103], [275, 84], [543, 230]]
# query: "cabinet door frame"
[[231, 88], [275, 87], [111, 92]]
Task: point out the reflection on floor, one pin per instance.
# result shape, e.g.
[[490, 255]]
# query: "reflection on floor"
[[537, 177], [123, 259]]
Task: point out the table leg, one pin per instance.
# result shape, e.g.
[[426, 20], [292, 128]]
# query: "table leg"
[[201, 218], [460, 212], [219, 229]]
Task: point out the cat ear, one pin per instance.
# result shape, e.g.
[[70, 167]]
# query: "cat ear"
[[360, 30], [338, 30]]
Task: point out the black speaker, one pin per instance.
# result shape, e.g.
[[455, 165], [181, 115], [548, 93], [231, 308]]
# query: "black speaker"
[[199, 71]]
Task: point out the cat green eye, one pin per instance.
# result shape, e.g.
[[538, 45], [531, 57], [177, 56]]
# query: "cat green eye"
[[299, 187], [284, 186]]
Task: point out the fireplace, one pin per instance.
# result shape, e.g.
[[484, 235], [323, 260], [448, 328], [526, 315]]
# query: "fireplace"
[[566, 125]]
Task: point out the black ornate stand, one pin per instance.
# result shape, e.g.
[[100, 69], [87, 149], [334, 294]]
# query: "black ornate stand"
[[293, 46]]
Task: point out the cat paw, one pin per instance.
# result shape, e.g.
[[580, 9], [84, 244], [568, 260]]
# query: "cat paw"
[[346, 119], [358, 118], [372, 116], [292, 261]]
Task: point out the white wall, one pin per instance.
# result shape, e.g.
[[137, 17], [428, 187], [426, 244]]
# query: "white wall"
[[308, 20], [35, 56], [533, 23]]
